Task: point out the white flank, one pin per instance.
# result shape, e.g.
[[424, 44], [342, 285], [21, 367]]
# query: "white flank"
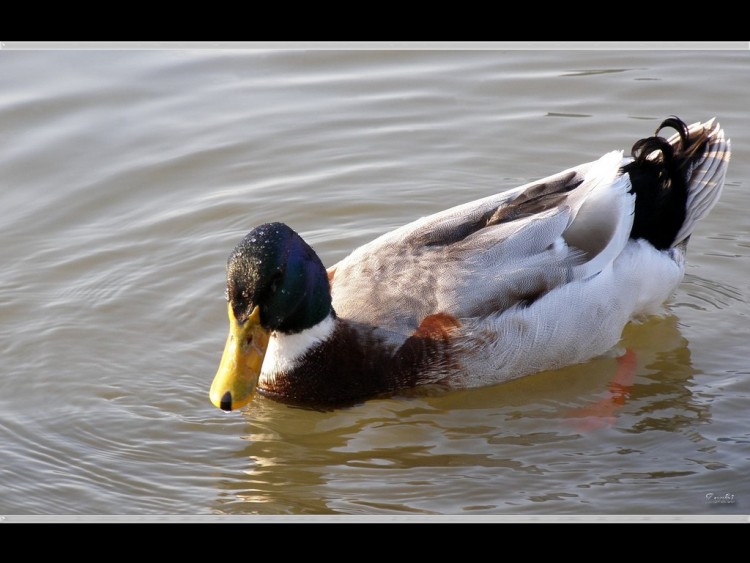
[[285, 350], [572, 323]]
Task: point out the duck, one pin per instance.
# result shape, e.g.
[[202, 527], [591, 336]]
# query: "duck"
[[531, 279]]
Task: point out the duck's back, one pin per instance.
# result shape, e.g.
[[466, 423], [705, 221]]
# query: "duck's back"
[[546, 274], [485, 256]]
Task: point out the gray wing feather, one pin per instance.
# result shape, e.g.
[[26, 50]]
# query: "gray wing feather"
[[476, 259]]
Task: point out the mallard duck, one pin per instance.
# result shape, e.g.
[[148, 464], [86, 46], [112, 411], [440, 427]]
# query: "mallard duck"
[[535, 278]]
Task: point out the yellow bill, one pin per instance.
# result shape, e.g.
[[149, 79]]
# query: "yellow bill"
[[235, 382]]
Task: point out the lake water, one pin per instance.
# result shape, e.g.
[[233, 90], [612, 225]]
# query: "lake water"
[[126, 177]]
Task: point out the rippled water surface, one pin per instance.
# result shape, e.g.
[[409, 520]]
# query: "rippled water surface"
[[126, 177]]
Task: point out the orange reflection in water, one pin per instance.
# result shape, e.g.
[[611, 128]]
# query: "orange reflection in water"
[[602, 413]]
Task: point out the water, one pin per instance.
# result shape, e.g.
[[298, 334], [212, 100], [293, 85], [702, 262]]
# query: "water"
[[127, 177]]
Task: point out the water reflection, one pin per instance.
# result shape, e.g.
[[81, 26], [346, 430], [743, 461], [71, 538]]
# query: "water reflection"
[[657, 392], [500, 449]]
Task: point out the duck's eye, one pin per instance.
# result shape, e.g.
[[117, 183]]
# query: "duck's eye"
[[249, 340], [276, 280]]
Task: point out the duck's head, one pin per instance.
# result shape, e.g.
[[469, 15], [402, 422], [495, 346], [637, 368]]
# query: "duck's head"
[[275, 282]]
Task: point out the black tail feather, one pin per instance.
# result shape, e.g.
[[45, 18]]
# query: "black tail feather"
[[660, 182]]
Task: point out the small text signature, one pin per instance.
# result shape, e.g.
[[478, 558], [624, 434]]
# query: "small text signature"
[[726, 498]]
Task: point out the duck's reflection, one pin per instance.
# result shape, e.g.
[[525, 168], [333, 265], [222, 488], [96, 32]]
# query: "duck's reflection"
[[602, 413], [651, 379], [400, 453]]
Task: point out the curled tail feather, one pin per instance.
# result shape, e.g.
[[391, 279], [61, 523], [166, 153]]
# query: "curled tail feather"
[[676, 180]]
